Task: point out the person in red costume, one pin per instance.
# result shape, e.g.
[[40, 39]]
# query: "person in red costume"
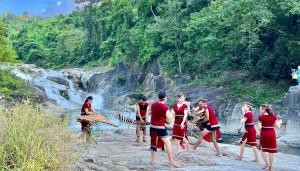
[[142, 115], [266, 122], [211, 127], [180, 111], [250, 134], [85, 125], [160, 114]]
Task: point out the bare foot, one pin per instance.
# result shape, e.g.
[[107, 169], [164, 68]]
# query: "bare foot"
[[193, 147], [266, 166], [173, 164], [271, 168], [256, 161], [152, 163], [238, 158], [178, 152], [218, 154], [144, 140]]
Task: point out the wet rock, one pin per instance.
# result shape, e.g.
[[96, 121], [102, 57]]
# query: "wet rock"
[[89, 160], [141, 78], [59, 80], [155, 69], [64, 93], [292, 100], [182, 80], [94, 81], [292, 118], [161, 83]]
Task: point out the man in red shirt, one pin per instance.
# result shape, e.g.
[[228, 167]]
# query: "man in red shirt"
[[142, 115], [160, 113], [211, 126]]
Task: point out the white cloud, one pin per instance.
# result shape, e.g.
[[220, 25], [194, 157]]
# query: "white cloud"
[[62, 7]]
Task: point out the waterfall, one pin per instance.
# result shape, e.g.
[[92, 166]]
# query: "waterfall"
[[56, 86]]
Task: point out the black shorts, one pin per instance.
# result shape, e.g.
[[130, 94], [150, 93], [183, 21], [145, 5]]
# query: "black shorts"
[[160, 132], [156, 134], [210, 129], [137, 118]]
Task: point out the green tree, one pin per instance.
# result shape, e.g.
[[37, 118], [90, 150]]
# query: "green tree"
[[6, 53]]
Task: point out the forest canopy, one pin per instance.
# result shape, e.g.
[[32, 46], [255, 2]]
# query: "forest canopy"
[[188, 37]]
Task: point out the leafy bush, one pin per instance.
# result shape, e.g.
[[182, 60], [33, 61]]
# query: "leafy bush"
[[11, 85], [32, 139], [121, 78]]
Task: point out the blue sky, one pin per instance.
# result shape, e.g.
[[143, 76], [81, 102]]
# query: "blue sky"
[[34, 7]]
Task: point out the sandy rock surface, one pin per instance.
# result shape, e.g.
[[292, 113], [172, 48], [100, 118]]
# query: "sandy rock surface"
[[116, 150]]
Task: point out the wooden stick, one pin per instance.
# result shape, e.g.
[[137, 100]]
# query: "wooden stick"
[[192, 132]]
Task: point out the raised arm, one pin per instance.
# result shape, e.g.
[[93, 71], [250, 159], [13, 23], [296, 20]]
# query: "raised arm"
[[243, 120], [199, 112]]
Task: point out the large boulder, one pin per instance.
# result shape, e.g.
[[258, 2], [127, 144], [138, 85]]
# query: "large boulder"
[[59, 80], [292, 103], [155, 69]]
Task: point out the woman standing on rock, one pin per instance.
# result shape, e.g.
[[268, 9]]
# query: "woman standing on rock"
[[268, 144], [85, 125], [180, 111], [142, 116], [211, 127], [250, 134]]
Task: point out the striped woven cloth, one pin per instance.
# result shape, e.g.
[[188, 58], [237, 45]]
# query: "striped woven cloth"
[[95, 119]]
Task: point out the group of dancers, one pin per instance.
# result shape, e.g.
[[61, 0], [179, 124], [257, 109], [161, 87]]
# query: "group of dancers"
[[206, 120]]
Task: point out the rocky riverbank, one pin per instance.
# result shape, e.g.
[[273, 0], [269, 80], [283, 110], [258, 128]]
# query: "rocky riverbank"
[[120, 86], [116, 150]]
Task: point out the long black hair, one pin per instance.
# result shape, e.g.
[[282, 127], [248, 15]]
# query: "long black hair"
[[88, 98]]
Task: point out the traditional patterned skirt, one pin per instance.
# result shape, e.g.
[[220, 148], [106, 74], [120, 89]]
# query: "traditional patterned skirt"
[[268, 140], [179, 133], [250, 134]]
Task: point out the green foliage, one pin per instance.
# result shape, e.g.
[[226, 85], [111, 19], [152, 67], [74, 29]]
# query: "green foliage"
[[12, 86], [32, 139], [196, 38], [171, 102], [121, 78], [6, 53], [256, 93], [53, 43]]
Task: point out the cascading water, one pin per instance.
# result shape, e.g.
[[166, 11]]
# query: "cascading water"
[[64, 93]]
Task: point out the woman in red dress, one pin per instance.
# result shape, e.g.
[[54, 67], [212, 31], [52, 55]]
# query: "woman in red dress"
[[250, 134], [85, 125], [180, 111], [268, 144]]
